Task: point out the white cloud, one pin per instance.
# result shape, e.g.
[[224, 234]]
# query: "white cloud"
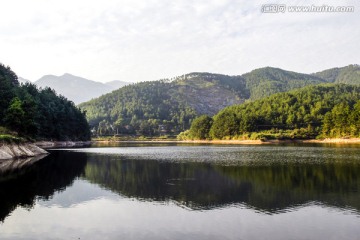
[[135, 40]]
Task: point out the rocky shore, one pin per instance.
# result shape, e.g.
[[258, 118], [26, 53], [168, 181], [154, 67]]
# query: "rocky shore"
[[22, 150], [25, 150]]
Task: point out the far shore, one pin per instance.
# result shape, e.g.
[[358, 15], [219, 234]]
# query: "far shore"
[[51, 144], [240, 142], [334, 140]]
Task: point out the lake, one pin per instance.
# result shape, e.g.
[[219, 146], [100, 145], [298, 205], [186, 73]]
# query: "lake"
[[175, 191]]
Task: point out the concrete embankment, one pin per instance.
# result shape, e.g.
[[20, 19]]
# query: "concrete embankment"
[[22, 150]]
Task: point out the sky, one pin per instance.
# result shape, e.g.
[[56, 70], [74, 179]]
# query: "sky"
[[141, 40]]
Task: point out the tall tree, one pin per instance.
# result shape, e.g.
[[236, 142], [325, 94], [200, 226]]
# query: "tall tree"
[[15, 115]]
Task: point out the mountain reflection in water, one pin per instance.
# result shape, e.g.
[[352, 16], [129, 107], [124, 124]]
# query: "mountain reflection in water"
[[269, 179], [41, 179], [204, 185]]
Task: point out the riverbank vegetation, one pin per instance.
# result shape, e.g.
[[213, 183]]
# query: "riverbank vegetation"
[[32, 113], [329, 110]]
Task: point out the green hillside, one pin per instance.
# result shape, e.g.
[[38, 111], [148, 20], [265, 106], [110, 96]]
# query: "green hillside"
[[327, 110], [147, 108], [349, 74], [169, 106], [34, 113], [264, 82], [164, 106]]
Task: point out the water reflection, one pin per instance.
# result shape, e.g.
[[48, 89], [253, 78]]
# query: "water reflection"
[[8, 166], [269, 179], [198, 185], [41, 179]]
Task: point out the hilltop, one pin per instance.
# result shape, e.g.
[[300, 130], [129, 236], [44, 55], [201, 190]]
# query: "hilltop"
[[266, 81], [348, 75]]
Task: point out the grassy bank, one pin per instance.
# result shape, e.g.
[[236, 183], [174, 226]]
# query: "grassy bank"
[[7, 136], [277, 141], [265, 137], [273, 134], [134, 138]]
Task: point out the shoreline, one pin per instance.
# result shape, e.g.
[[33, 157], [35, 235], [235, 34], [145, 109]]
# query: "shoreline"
[[242, 142], [335, 140], [12, 151], [52, 144], [23, 150]]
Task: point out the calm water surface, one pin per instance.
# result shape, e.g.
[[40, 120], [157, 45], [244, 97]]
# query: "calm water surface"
[[184, 192]]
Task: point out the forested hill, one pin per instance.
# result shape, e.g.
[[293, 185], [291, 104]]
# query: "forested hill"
[[149, 108], [163, 106], [266, 81], [328, 110], [349, 75], [37, 113]]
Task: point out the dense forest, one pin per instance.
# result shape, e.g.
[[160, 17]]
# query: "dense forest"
[[169, 106], [264, 82], [35, 113], [327, 110], [146, 108]]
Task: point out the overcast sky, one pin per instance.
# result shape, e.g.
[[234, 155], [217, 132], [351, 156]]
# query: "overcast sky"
[[138, 40]]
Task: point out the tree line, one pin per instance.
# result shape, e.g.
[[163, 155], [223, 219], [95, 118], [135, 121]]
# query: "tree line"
[[38, 113], [327, 110]]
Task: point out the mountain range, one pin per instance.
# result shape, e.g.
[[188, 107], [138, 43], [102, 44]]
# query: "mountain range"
[[173, 104], [253, 85], [74, 88]]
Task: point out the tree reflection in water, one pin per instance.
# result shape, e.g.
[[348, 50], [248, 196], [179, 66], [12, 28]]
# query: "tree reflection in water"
[[268, 186]]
